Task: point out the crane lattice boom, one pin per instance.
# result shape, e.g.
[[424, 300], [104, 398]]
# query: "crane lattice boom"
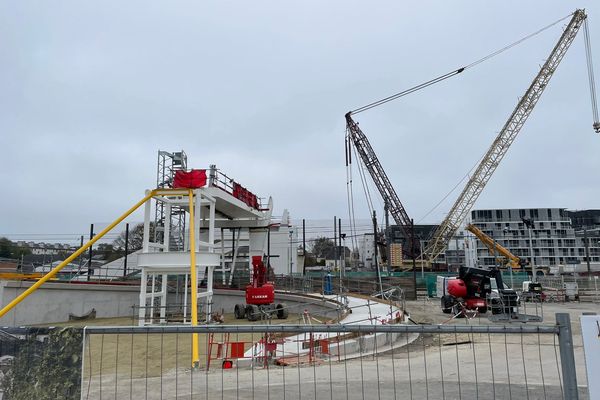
[[505, 138], [369, 158]]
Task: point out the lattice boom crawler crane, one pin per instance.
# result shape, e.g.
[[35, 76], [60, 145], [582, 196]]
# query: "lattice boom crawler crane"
[[260, 296]]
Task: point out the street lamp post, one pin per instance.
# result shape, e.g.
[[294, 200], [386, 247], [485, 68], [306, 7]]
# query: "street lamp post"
[[529, 224]]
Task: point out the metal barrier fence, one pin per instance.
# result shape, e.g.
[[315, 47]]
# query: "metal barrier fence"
[[332, 362]]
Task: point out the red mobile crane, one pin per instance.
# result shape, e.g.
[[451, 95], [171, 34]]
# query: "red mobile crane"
[[260, 296]]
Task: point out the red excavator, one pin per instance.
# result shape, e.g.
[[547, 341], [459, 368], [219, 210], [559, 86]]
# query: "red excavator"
[[260, 296]]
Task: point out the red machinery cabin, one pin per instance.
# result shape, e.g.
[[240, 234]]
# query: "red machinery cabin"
[[260, 295]]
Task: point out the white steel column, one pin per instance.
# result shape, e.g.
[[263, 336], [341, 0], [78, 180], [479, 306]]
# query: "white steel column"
[[142, 310], [223, 254], [152, 297], [185, 297], [163, 298], [209, 289]]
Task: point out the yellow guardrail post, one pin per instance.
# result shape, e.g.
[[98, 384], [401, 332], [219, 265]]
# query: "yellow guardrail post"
[[193, 279], [73, 256]]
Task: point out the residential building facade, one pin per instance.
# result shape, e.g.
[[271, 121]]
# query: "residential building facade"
[[552, 238]]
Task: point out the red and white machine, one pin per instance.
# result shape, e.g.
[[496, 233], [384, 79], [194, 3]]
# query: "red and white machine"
[[260, 296]]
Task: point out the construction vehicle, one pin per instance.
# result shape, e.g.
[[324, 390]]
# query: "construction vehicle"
[[478, 289], [380, 178], [508, 133], [495, 248], [438, 242], [532, 291], [260, 296]]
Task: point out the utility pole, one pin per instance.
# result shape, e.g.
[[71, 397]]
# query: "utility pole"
[[304, 245], [341, 251], [90, 254], [335, 259], [587, 252], [421, 253], [412, 255], [80, 257], [375, 251], [529, 223], [127, 249], [388, 242]]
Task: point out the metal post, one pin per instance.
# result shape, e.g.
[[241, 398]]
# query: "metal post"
[[412, 255], [422, 265], [341, 252], [90, 254], [291, 258], [126, 249], [335, 258], [303, 245], [80, 258], [388, 242], [587, 252], [567, 357], [533, 278], [269, 247], [375, 251]]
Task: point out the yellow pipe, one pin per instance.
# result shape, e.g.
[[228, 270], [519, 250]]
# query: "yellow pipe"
[[73, 256], [194, 291]]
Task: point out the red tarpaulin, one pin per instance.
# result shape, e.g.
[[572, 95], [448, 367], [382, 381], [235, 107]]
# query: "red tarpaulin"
[[193, 179]]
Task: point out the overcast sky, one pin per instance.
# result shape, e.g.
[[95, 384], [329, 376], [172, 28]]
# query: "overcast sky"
[[89, 91]]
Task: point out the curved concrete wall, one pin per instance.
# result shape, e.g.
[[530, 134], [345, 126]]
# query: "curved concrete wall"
[[53, 301]]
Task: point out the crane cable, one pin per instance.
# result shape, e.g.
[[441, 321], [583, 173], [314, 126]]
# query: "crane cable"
[[590, 68], [350, 194], [459, 70]]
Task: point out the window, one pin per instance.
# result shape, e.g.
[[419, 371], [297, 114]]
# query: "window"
[[498, 214], [535, 214], [521, 213]]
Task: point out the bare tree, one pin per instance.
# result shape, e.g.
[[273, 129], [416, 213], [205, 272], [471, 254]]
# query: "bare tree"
[[135, 239]]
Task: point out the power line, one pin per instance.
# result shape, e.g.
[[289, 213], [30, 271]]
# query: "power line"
[[454, 72]]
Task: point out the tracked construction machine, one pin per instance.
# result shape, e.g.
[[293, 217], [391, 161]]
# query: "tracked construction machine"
[[260, 296], [478, 289]]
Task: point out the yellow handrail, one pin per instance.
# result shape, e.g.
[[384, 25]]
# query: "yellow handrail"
[[73, 256]]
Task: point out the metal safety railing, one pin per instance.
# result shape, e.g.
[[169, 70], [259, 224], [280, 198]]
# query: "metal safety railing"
[[332, 362]]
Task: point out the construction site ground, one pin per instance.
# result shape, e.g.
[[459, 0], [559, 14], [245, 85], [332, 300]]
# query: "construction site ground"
[[164, 352], [449, 366]]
